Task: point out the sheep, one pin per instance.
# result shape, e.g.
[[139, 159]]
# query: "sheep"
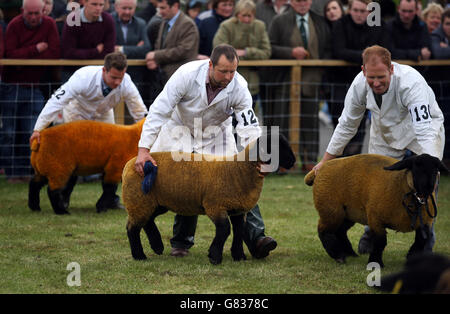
[[361, 189], [213, 187], [81, 148], [422, 273]]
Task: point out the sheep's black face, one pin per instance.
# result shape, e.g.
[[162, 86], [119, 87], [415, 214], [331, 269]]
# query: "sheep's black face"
[[424, 170], [273, 145]]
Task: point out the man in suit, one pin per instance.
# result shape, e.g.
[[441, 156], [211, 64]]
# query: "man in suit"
[[131, 37], [177, 41], [300, 34]]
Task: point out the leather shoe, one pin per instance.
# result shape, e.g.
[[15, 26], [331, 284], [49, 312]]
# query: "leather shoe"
[[264, 246], [179, 252]]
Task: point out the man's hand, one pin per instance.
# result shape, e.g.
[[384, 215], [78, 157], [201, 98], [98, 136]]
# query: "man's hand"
[[425, 53], [42, 46], [325, 158], [141, 43], [35, 136], [300, 53], [150, 60], [100, 47], [142, 157]]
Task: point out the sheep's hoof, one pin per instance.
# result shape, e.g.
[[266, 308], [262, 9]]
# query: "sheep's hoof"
[[62, 212], [340, 260], [35, 208], [215, 260], [140, 257], [240, 258]]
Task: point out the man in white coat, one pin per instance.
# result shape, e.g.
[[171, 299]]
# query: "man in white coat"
[[405, 116], [91, 93], [193, 113]]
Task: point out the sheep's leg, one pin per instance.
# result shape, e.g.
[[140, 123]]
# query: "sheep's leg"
[[67, 191], [133, 233], [343, 238], [57, 201], [215, 252], [34, 189], [332, 244], [237, 248], [109, 199], [420, 241], [153, 235], [379, 244]]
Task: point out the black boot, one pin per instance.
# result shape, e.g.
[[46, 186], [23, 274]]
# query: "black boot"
[[109, 199]]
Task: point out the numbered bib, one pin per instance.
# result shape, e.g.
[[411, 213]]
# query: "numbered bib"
[[420, 113], [246, 117]]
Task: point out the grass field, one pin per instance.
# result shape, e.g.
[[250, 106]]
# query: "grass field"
[[36, 247]]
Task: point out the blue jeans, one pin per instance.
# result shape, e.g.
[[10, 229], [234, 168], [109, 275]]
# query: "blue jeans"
[[20, 107]]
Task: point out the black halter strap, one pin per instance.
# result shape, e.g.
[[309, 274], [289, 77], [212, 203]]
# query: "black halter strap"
[[414, 208]]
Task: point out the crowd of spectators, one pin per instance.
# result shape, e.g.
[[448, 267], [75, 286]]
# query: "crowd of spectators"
[[169, 33]]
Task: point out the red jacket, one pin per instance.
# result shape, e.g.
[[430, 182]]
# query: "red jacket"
[[20, 43]]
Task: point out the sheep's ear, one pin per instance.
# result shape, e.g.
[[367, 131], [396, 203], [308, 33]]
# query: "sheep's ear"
[[403, 164], [441, 166]]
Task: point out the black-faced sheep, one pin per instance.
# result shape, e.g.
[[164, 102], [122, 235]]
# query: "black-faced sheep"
[[373, 190], [81, 148], [423, 273], [189, 187]]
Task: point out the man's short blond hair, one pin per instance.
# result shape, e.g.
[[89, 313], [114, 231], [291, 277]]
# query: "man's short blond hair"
[[376, 51]]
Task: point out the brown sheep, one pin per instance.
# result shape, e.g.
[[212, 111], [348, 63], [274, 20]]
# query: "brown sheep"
[[81, 148], [190, 187], [360, 189]]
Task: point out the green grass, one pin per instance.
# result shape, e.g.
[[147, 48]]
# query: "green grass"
[[35, 248]]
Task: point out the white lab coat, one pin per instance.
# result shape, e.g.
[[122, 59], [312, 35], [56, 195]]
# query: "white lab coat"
[[81, 98], [403, 122], [180, 118]]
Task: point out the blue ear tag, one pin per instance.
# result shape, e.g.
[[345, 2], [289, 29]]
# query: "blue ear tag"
[[150, 172]]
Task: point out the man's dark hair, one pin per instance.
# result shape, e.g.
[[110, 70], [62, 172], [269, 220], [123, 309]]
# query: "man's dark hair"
[[228, 51], [215, 3], [116, 60], [445, 14], [170, 3]]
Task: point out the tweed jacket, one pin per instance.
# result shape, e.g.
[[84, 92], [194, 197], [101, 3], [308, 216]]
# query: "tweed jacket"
[[285, 35], [180, 45], [251, 37], [137, 31]]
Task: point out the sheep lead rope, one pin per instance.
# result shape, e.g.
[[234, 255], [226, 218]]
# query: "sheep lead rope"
[[415, 210]]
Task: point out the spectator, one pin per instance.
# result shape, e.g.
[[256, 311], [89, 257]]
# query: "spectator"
[[149, 11], [30, 35], [333, 11], [300, 34], [266, 10], [249, 37], [177, 41], [131, 37], [2, 46], [410, 37], [432, 16], [350, 36], [132, 40], [193, 8], [440, 46], [222, 10], [59, 8], [48, 7], [96, 36], [388, 9]]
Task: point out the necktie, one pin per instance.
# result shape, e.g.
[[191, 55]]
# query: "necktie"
[[303, 32], [106, 91], [164, 33]]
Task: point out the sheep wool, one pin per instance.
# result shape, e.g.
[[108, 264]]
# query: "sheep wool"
[[371, 189], [197, 186], [80, 148]]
